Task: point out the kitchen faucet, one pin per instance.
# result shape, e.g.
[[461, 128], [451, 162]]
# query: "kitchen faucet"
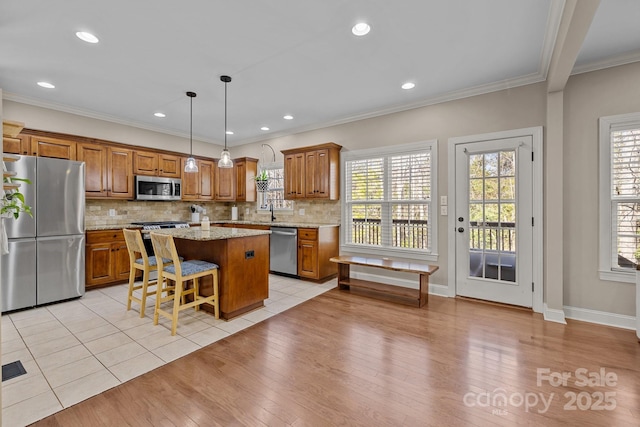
[[273, 218]]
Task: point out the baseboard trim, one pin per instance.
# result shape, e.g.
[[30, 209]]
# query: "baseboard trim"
[[553, 315], [601, 317]]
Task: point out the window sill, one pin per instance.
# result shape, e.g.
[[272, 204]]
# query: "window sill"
[[386, 252], [618, 276]]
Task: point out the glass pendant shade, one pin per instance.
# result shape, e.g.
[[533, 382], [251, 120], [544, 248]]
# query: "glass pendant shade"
[[225, 159], [191, 165]]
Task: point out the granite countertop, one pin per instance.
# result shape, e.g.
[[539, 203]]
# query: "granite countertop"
[[110, 227], [214, 233], [270, 224], [276, 224]]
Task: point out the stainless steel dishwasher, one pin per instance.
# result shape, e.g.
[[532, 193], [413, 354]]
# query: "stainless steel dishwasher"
[[283, 251]]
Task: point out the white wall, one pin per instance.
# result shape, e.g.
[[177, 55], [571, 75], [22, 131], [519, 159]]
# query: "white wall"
[[588, 97]]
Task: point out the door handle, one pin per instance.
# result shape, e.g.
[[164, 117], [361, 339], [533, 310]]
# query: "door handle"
[[460, 229]]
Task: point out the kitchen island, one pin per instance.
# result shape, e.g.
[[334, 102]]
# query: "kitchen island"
[[243, 258]]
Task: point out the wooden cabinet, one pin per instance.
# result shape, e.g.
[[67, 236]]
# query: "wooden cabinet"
[[20, 144], [120, 179], [312, 172], [107, 171], [198, 185], [294, 176], [156, 164], [224, 183], [169, 165], [107, 258], [317, 174], [315, 247], [53, 147], [246, 171]]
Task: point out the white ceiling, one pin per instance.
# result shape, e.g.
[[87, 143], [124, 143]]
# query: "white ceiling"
[[293, 57]]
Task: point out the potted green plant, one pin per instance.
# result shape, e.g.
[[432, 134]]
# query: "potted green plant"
[[262, 181], [13, 203]]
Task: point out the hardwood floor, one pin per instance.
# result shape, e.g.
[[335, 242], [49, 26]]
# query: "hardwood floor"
[[345, 359]]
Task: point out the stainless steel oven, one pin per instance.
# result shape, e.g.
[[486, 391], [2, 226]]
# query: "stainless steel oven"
[[158, 188], [283, 251]]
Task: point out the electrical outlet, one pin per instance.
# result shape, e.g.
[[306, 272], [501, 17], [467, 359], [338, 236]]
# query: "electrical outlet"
[[246, 211], [301, 212], [443, 210], [443, 200], [112, 212]]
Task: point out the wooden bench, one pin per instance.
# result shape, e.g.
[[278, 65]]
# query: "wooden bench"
[[417, 297]]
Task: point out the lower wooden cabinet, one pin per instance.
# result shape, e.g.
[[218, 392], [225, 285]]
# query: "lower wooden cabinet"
[[107, 258], [315, 247]]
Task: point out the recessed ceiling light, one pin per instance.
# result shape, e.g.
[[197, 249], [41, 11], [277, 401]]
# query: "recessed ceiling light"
[[87, 37], [264, 128], [161, 115], [229, 132], [361, 29], [408, 85], [288, 117], [46, 85]]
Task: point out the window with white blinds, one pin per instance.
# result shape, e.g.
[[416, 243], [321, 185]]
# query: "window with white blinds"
[[620, 196], [388, 199]]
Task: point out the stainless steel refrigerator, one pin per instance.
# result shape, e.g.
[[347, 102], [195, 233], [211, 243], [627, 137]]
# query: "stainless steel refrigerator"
[[46, 262]]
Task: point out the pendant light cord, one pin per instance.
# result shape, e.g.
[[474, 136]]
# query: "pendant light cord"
[[191, 128], [225, 115]]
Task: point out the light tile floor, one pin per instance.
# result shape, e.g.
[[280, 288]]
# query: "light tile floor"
[[77, 349]]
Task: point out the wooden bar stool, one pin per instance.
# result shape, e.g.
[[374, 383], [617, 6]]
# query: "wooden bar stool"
[[139, 260], [180, 272]]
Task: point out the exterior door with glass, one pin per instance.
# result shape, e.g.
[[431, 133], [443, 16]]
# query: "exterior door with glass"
[[494, 220]]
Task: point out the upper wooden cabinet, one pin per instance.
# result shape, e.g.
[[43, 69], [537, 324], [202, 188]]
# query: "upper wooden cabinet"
[[107, 171], [53, 147], [18, 145], [198, 185], [246, 170], [312, 172], [294, 176], [224, 183], [156, 164]]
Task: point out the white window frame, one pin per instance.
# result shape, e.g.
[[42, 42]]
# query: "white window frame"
[[260, 196], [607, 227], [395, 150]]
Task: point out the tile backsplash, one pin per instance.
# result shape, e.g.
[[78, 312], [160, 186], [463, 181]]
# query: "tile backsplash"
[[97, 212]]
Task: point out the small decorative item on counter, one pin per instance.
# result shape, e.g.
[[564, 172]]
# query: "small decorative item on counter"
[[204, 225]]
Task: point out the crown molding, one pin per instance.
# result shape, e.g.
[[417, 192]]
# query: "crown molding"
[[623, 59]]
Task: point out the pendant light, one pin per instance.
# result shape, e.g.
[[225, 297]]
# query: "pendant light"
[[225, 158], [190, 166]]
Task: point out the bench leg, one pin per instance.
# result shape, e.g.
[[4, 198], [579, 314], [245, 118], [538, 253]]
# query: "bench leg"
[[424, 289], [343, 275]]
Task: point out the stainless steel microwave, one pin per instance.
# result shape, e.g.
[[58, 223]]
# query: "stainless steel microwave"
[[158, 188]]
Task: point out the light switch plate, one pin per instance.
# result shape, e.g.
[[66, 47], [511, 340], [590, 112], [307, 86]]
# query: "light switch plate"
[[443, 210]]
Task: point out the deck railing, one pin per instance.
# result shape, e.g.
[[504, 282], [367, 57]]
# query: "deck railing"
[[405, 233], [497, 236]]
